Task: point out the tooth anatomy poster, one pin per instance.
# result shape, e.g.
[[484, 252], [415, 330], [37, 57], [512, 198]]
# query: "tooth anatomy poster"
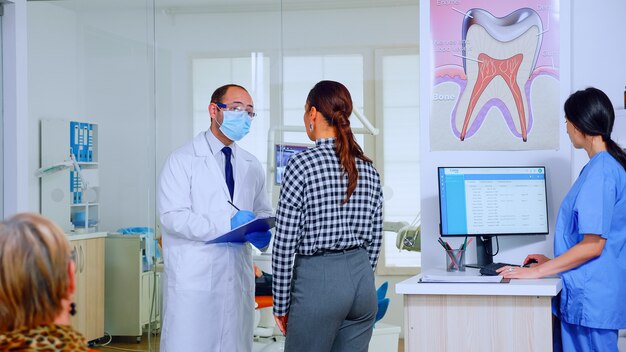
[[495, 67]]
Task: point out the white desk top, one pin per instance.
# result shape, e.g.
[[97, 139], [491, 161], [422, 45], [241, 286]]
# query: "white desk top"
[[85, 236], [516, 287]]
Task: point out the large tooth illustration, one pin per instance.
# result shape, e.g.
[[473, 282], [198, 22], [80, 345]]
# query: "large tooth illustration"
[[499, 55]]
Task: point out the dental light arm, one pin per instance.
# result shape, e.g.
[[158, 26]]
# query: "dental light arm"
[[49, 170], [83, 181], [394, 226], [368, 125], [66, 164], [408, 237]]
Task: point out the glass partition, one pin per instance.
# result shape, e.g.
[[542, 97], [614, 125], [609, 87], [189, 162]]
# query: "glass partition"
[[144, 73], [92, 62]]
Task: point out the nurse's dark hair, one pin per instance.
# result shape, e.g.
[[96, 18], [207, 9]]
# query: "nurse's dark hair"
[[221, 91], [332, 99], [592, 113]]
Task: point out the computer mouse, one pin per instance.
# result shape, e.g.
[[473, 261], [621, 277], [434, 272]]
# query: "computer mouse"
[[532, 261]]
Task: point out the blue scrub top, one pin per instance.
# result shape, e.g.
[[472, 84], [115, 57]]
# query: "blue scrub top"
[[594, 293]]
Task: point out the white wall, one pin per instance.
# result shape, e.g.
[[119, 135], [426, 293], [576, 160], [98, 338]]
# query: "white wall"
[[598, 51], [599, 59], [52, 78]]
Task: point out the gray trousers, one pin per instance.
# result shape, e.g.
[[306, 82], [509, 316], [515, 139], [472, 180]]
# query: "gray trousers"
[[333, 303]]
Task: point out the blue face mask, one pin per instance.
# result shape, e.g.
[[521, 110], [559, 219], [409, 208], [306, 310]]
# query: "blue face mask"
[[235, 125]]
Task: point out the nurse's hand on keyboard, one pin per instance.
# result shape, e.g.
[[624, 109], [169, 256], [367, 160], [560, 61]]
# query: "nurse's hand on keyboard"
[[491, 269], [535, 259], [516, 272]]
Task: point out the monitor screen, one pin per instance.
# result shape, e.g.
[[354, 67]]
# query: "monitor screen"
[[282, 154], [493, 201]]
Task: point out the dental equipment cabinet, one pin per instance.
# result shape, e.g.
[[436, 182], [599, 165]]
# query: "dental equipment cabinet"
[[69, 174], [89, 273], [69, 196], [132, 294]]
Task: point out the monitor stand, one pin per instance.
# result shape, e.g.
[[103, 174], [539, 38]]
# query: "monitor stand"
[[484, 250]]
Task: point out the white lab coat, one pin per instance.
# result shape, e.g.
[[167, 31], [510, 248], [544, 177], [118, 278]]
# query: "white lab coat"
[[208, 288]]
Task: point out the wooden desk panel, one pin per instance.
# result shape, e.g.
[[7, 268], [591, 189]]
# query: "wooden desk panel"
[[477, 323]]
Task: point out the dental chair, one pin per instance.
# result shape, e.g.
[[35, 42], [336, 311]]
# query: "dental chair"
[[263, 317], [267, 336]]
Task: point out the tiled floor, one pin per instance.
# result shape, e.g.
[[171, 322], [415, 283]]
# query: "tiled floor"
[[129, 343]]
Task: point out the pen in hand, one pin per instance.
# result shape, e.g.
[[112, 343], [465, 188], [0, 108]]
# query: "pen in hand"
[[234, 206]]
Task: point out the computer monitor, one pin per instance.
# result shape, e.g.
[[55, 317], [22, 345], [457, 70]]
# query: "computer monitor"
[[282, 154], [492, 201]]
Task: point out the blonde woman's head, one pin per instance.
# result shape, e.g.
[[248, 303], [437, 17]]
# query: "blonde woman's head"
[[36, 272]]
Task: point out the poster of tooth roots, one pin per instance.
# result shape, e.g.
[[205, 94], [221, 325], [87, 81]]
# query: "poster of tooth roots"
[[496, 75]]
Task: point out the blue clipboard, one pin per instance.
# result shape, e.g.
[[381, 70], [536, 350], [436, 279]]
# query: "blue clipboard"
[[238, 234]]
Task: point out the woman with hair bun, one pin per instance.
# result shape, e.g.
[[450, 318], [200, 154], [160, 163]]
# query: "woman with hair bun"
[[328, 233]]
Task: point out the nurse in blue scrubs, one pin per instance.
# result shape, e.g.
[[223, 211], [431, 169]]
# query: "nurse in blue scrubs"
[[590, 234]]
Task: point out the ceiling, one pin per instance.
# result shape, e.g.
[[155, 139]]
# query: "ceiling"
[[220, 6]]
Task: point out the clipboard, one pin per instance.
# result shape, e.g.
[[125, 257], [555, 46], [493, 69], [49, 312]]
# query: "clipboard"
[[238, 234]]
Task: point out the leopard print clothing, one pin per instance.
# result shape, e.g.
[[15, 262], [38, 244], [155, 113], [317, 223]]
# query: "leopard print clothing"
[[46, 338]]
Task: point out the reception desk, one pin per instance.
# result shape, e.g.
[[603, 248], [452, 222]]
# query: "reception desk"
[[514, 316]]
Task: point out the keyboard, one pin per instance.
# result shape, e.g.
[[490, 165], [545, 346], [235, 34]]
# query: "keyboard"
[[490, 269]]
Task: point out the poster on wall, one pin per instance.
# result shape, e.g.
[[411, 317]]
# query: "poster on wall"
[[495, 67]]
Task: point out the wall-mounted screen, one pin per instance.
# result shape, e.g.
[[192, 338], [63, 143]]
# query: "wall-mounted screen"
[[282, 154], [493, 201]]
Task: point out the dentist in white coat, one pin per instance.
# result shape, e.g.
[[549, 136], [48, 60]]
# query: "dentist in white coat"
[[209, 288]]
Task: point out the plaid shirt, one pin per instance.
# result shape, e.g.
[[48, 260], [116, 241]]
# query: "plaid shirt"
[[310, 215]]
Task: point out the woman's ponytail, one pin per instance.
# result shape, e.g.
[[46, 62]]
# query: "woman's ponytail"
[[618, 153], [332, 99]]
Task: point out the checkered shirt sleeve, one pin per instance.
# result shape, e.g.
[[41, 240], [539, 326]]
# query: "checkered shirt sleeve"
[[311, 216]]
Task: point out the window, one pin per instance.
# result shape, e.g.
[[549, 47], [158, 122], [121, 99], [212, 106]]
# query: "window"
[[397, 116], [301, 73], [398, 95]]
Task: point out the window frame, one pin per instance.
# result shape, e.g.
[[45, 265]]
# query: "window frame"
[[384, 268]]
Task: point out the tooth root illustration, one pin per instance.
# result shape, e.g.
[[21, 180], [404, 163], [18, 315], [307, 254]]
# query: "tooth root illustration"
[[488, 68], [498, 58]]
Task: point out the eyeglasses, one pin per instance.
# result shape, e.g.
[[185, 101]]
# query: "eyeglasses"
[[239, 107]]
